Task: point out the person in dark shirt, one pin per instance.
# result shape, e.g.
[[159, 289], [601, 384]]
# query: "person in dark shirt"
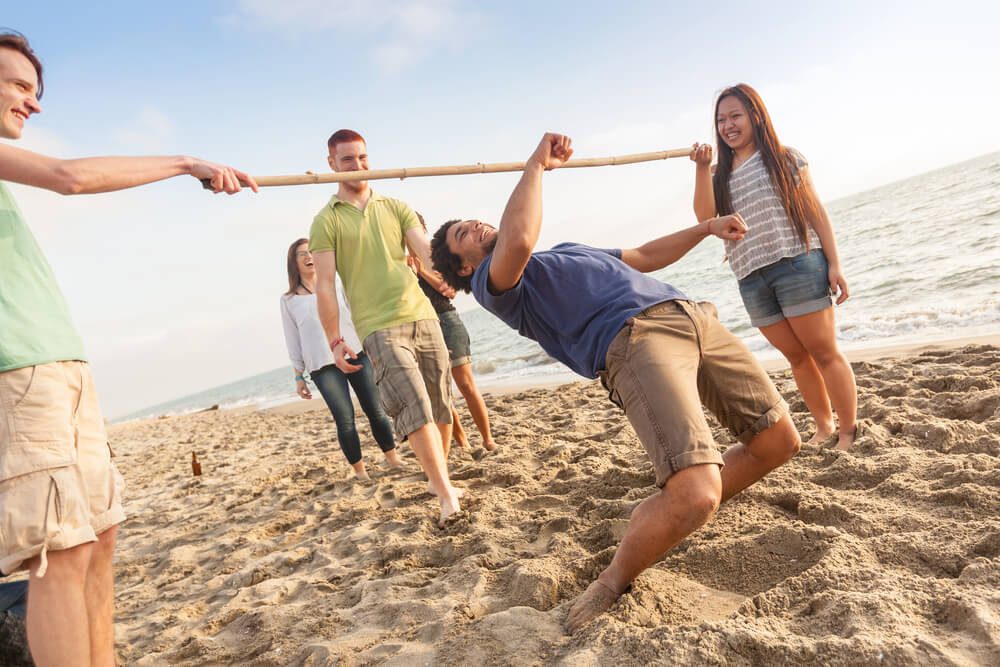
[[661, 356], [456, 338]]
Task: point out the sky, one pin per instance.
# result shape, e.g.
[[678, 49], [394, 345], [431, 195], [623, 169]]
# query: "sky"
[[175, 290]]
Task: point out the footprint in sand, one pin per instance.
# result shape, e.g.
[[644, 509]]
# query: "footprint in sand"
[[388, 499]]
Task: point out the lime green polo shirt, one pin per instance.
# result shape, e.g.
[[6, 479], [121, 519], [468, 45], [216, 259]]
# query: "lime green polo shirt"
[[35, 325], [370, 251]]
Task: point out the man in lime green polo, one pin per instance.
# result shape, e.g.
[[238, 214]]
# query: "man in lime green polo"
[[60, 493], [364, 236]]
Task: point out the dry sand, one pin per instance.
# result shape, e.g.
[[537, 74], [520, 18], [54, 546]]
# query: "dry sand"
[[888, 554]]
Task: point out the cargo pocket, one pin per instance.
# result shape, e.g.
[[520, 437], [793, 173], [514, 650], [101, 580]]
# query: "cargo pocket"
[[38, 430], [391, 402], [43, 510]]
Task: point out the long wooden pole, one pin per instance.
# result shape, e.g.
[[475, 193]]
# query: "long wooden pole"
[[310, 178]]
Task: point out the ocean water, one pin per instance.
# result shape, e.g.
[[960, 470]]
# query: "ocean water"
[[921, 256]]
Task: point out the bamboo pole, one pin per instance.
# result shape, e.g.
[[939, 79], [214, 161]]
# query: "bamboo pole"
[[310, 178]]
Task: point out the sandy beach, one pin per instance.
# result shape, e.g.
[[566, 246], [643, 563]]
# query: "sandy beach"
[[887, 554]]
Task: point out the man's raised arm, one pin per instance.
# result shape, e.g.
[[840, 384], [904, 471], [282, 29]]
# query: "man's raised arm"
[[329, 309], [666, 250], [105, 174], [522, 218]]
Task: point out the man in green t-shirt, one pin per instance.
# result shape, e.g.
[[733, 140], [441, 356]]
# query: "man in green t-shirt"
[[364, 236], [60, 493]]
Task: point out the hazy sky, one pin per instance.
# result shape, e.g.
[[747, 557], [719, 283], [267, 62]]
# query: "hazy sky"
[[176, 290]]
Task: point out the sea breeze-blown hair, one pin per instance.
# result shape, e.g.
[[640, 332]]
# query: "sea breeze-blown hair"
[[294, 277], [446, 262], [15, 41], [799, 202]]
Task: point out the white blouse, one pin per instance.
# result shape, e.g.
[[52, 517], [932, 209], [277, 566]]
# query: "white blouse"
[[305, 339]]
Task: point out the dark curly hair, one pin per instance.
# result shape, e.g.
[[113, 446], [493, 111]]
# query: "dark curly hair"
[[446, 262]]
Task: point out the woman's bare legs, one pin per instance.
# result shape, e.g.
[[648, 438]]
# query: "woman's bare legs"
[[807, 377], [818, 335]]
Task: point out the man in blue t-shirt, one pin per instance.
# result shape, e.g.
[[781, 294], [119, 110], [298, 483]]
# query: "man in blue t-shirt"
[[660, 355]]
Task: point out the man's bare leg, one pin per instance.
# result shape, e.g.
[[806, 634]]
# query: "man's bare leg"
[[57, 623], [663, 520], [445, 430], [100, 592], [426, 444], [746, 464], [688, 499]]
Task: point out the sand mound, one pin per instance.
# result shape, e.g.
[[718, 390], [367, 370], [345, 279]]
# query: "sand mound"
[[886, 554]]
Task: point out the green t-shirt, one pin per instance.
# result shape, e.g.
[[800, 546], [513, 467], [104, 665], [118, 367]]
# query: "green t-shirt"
[[370, 250], [35, 326]]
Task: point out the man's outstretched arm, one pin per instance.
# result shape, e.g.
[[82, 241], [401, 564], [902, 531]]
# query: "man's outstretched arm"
[[105, 174], [522, 218], [666, 250]]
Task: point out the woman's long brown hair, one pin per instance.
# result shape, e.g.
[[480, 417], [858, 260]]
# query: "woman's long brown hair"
[[294, 277], [799, 202]]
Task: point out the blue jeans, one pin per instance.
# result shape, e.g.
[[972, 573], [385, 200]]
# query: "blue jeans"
[[332, 384]]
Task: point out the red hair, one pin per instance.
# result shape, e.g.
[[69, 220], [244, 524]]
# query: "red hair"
[[343, 137]]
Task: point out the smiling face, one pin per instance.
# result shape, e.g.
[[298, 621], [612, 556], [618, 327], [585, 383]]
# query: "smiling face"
[[304, 260], [733, 124], [18, 88], [471, 240], [350, 156]]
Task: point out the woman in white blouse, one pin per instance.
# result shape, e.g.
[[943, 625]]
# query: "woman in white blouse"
[[309, 353]]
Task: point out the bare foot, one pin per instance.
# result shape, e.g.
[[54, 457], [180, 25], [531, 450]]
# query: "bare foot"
[[593, 602], [459, 493], [489, 445], [820, 436], [392, 458], [449, 508], [846, 440], [362, 476]]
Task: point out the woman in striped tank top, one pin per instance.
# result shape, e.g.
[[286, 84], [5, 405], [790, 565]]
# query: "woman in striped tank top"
[[787, 265]]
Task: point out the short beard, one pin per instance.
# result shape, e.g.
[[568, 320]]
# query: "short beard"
[[493, 245]]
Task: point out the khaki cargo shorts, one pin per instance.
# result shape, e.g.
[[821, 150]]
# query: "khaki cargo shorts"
[[58, 485], [413, 374], [666, 363]]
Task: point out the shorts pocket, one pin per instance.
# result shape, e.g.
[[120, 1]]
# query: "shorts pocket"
[[41, 506], [38, 432], [391, 402], [810, 262]]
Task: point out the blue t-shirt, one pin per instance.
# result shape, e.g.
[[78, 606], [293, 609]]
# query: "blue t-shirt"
[[572, 300]]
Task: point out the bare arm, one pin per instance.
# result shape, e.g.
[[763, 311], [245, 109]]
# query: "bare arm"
[[824, 229], [431, 277], [704, 194], [329, 309], [666, 250], [106, 174], [521, 222], [418, 245]]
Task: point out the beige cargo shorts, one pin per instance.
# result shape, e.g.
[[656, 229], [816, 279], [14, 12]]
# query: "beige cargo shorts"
[[672, 359], [58, 485]]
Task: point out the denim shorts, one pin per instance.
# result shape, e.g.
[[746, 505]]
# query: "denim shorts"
[[790, 287], [456, 337]]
